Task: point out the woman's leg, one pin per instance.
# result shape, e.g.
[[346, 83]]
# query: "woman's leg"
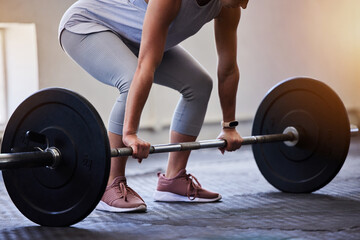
[[108, 59], [180, 71], [178, 160], [105, 56]]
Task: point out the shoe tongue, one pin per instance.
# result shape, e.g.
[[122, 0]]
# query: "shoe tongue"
[[119, 179]]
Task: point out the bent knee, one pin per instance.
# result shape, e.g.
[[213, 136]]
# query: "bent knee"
[[206, 84], [199, 88], [122, 82]]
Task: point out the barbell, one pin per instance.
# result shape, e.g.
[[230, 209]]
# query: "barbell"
[[56, 153]]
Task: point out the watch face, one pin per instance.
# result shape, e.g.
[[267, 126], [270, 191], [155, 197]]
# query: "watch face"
[[233, 124]]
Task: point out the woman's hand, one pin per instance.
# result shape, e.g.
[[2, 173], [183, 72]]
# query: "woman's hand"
[[232, 138], [140, 147]]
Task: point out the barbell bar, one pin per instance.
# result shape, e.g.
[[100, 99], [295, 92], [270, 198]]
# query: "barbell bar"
[[27, 159], [56, 153], [51, 156], [214, 143]]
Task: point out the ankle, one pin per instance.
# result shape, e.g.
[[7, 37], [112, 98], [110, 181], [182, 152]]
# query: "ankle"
[[172, 173]]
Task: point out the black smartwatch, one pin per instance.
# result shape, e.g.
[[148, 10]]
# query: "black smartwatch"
[[231, 124]]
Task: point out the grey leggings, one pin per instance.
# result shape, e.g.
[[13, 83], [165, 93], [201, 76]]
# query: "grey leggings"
[[113, 61]]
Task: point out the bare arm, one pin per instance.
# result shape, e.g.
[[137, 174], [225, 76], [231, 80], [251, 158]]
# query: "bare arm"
[[228, 73], [159, 15]]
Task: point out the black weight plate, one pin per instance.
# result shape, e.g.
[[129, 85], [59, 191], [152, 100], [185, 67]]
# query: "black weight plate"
[[321, 119], [67, 194]]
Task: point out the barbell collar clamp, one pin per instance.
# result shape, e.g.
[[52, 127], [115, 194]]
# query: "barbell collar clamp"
[[37, 138], [295, 133], [56, 157], [354, 130]]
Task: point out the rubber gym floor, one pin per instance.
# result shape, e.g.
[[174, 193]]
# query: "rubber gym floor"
[[250, 209]]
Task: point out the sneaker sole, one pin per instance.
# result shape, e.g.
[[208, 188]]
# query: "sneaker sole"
[[160, 196], [102, 206]]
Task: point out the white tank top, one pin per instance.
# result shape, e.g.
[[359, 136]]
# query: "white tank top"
[[125, 17]]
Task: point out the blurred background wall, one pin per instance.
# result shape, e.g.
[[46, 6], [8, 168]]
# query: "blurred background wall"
[[277, 39]]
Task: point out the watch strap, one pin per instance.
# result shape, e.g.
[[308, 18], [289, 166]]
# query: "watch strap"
[[231, 124]]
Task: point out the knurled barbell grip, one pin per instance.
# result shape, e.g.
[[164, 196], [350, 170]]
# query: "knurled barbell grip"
[[175, 147], [118, 152]]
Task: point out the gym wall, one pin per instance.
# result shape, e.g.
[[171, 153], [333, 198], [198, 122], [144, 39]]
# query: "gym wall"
[[276, 39]]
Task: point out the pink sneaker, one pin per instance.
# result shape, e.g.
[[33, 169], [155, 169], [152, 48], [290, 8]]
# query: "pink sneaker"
[[182, 188], [119, 197]]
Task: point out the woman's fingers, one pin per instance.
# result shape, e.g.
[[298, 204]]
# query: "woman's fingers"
[[141, 148], [232, 138]]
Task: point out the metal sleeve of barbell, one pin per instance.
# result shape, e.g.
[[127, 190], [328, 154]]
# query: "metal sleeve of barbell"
[[268, 138], [26, 160], [354, 130], [215, 143]]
